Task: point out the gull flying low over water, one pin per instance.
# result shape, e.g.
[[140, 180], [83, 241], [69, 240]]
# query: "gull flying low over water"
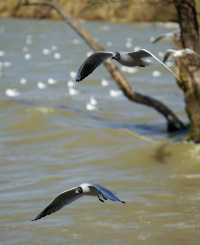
[[178, 53], [165, 36], [131, 59], [71, 195]]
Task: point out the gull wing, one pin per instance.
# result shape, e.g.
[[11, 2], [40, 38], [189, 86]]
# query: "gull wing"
[[159, 61], [140, 54], [168, 53], [107, 194], [165, 36], [91, 63], [60, 201], [158, 38]]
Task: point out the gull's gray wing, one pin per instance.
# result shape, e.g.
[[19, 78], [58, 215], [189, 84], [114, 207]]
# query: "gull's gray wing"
[[106, 194], [91, 63], [168, 53], [158, 38], [159, 61], [60, 201], [140, 54], [178, 53], [165, 36]]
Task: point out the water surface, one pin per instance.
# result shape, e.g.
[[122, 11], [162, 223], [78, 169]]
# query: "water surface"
[[49, 141]]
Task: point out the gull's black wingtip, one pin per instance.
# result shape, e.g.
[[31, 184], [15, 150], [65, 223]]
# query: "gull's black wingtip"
[[78, 78], [164, 60], [37, 218]]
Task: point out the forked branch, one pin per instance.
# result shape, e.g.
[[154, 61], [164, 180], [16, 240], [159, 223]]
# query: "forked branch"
[[173, 122]]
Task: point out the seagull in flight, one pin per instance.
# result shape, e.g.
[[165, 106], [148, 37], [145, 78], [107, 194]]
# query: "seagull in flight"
[[131, 59], [68, 196], [178, 53], [166, 36]]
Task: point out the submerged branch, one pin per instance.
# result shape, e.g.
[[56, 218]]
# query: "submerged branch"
[[173, 122]]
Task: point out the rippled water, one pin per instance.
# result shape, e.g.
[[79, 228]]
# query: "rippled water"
[[49, 141]]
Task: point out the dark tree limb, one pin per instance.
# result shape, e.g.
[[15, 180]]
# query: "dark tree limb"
[[173, 122], [187, 18]]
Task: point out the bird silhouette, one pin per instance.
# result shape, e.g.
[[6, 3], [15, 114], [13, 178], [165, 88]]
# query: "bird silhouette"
[[178, 53], [68, 196], [131, 59]]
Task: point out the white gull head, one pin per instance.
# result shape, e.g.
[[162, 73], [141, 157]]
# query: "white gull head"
[[85, 187]]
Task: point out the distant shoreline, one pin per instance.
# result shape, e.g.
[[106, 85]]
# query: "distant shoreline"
[[106, 10]]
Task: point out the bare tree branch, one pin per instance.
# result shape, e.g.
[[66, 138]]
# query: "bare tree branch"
[[173, 122]]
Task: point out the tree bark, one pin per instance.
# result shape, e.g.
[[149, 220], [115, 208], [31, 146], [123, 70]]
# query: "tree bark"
[[173, 122], [189, 65]]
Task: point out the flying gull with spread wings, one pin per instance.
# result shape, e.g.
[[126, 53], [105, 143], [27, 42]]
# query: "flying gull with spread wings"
[[178, 53], [131, 59], [166, 36], [71, 195]]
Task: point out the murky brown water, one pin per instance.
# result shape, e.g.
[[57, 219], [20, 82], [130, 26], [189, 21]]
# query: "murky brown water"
[[50, 142]]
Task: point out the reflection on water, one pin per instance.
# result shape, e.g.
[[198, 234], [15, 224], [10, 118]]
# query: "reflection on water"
[[50, 141]]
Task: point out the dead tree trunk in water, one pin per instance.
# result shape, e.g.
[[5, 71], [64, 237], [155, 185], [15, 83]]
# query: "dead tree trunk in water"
[[189, 65]]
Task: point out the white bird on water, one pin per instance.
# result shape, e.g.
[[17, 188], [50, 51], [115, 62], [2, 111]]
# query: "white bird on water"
[[57, 56], [72, 91], [130, 59], [41, 85], [23, 81], [27, 56], [91, 105], [71, 195], [12, 92], [104, 82], [115, 93]]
